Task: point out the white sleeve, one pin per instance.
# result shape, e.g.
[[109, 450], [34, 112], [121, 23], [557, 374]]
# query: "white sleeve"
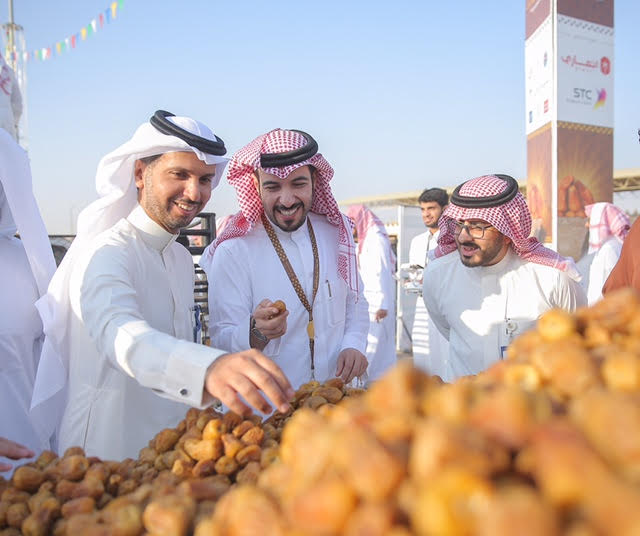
[[374, 263], [569, 295], [416, 253], [431, 299], [603, 262], [106, 301], [230, 302], [356, 325]]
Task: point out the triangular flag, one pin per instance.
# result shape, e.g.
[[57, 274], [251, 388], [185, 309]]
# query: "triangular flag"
[[89, 30], [94, 25], [101, 19], [58, 48], [73, 40], [114, 7], [107, 13], [66, 44], [83, 33], [36, 54], [120, 2]]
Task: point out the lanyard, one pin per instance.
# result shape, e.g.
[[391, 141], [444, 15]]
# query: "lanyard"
[[510, 328], [294, 279], [426, 254]]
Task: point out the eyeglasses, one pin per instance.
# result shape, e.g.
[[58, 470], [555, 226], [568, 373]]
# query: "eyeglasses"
[[473, 230]]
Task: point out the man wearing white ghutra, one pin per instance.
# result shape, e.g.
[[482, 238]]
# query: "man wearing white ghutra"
[[119, 314]]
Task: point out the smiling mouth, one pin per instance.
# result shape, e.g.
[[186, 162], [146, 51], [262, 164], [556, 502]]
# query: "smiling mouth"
[[186, 207], [288, 212]]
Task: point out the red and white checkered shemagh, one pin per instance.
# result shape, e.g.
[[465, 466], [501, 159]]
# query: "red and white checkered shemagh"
[[240, 175], [606, 220], [513, 219], [364, 219]]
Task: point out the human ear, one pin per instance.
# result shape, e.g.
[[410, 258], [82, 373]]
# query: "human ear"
[[138, 173], [256, 180]]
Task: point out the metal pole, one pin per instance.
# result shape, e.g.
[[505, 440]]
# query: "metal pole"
[[12, 59]]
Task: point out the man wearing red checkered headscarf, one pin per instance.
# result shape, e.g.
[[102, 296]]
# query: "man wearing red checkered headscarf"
[[377, 264], [608, 227], [289, 242], [490, 281]]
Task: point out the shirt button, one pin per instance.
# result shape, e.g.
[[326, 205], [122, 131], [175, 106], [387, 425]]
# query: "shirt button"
[[184, 392]]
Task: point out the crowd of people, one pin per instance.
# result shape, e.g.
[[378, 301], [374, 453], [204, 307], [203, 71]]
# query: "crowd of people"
[[105, 351]]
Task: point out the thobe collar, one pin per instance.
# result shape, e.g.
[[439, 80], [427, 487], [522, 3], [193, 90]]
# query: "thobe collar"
[[151, 233]]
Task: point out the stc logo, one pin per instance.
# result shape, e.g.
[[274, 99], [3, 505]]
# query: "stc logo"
[[587, 96], [602, 97]]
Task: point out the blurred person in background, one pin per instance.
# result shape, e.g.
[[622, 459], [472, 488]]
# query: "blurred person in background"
[[377, 264], [626, 272], [427, 341], [608, 227], [26, 267]]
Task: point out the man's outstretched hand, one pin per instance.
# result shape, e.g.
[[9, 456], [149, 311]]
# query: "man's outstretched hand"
[[351, 363], [15, 451], [247, 373]]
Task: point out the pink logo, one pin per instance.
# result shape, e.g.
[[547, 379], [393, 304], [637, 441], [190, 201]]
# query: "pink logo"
[[605, 65]]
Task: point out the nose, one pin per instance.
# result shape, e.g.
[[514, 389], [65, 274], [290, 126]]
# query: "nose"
[[192, 190], [287, 197]]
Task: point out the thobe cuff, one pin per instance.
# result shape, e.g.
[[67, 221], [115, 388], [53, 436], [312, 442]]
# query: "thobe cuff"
[[353, 341], [186, 373]]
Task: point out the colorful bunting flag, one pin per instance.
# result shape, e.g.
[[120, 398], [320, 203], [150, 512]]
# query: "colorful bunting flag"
[[70, 42]]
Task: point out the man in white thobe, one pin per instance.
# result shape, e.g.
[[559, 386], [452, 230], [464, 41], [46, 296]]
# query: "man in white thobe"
[[377, 264], [608, 226], [289, 242], [490, 282], [427, 342], [129, 326], [26, 267]]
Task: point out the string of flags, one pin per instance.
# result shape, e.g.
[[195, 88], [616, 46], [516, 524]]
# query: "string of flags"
[[69, 43]]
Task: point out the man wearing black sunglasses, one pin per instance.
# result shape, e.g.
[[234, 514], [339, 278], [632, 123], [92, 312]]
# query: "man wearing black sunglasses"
[[503, 281]]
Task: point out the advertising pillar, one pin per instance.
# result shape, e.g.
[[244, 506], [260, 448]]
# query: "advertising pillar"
[[569, 67]]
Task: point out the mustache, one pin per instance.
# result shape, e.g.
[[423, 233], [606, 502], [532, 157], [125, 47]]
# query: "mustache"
[[187, 202], [468, 244], [282, 207]]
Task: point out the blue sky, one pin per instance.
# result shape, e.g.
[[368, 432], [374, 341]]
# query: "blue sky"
[[399, 95]]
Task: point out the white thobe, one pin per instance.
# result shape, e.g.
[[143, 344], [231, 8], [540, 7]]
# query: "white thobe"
[[603, 262], [132, 368], [374, 262], [246, 270], [427, 342], [20, 344], [480, 310]]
